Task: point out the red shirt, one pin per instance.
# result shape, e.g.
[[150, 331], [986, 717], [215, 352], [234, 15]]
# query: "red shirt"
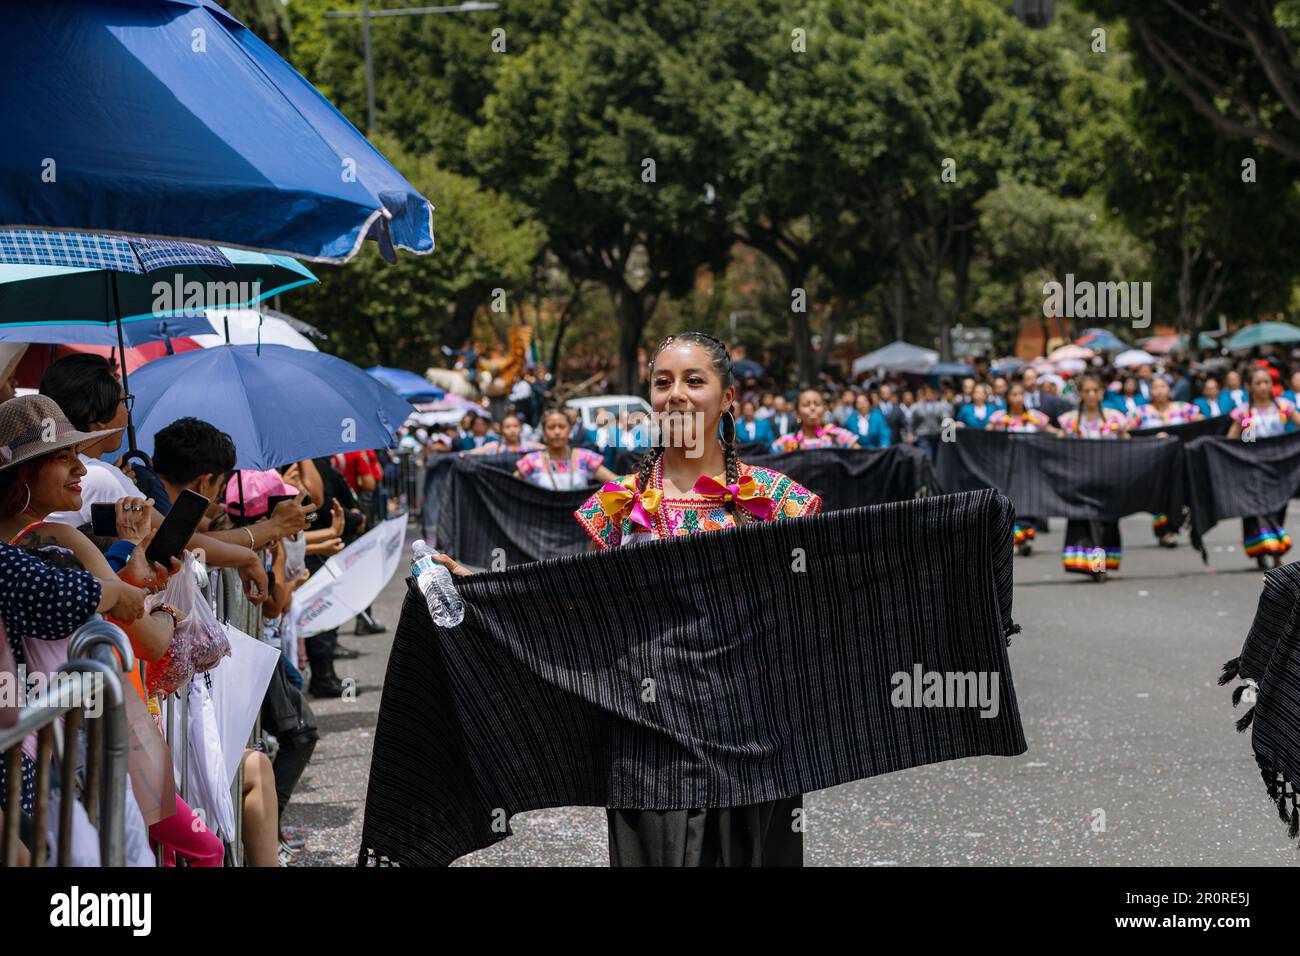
[[353, 464]]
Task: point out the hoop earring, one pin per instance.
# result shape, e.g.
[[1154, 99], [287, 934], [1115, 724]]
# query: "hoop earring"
[[729, 429], [29, 496]]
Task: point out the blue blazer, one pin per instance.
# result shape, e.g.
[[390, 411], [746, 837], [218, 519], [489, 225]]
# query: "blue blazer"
[[966, 415], [873, 434], [757, 430], [1224, 403]]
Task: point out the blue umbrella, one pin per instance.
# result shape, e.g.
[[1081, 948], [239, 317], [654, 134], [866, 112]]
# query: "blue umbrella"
[[1101, 340], [169, 118], [279, 406], [412, 387], [135, 332], [950, 368], [748, 368]]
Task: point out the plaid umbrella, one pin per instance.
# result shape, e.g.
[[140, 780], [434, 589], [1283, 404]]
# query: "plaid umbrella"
[[72, 287]]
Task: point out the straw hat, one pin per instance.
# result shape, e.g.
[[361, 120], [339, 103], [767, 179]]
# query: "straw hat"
[[34, 425]]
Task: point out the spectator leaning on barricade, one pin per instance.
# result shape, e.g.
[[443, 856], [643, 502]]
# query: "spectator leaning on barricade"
[[286, 715], [86, 388], [365, 478], [338, 522], [40, 477]]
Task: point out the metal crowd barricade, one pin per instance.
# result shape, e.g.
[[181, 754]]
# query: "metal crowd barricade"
[[96, 648], [403, 489]]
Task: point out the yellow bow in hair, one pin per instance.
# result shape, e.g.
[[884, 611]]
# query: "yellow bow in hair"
[[616, 496]]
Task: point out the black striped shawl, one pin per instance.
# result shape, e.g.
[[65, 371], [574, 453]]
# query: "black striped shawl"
[[768, 681]]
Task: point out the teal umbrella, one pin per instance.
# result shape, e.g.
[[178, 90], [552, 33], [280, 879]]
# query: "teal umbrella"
[[1263, 333]]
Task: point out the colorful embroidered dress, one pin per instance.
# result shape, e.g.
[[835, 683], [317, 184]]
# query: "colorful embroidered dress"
[[1092, 547], [1029, 421], [1266, 422], [1264, 534], [498, 447], [1175, 413], [576, 470], [828, 436], [669, 517], [1109, 424]]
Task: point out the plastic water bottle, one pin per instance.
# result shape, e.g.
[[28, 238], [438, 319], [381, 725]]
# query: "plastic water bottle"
[[445, 606]]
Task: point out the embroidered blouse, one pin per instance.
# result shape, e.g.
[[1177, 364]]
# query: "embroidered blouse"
[[578, 470], [681, 516], [1031, 420], [1175, 413], [498, 447], [1109, 423], [1268, 421], [828, 436]]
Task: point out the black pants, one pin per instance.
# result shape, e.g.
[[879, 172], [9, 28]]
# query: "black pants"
[[761, 834]]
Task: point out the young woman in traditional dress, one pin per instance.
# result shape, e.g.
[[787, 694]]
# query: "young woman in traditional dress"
[[1156, 413], [678, 491], [811, 433], [557, 466], [1263, 536], [1020, 419], [1092, 547], [511, 440]]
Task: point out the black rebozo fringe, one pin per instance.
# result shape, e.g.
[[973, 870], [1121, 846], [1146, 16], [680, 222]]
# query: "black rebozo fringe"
[[1284, 797], [1231, 670], [1012, 628]]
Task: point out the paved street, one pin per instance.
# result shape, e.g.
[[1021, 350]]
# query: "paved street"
[[1116, 684]]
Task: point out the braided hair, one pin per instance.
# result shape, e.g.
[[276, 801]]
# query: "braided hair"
[[720, 361]]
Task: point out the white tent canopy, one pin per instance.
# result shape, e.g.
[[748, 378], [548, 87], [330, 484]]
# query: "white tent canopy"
[[896, 357]]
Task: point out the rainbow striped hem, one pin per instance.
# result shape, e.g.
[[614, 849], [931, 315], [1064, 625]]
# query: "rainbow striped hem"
[[1160, 522], [1079, 560], [1022, 533], [1268, 541]]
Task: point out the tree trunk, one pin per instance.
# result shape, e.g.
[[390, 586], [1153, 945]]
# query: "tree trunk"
[[630, 308]]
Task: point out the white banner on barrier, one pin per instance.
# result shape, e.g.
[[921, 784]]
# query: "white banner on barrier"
[[349, 582]]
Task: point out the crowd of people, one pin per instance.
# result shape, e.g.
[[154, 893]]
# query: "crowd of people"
[[1090, 401], [60, 566]]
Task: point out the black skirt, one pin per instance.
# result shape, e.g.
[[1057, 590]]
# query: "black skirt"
[[761, 834], [1265, 535]]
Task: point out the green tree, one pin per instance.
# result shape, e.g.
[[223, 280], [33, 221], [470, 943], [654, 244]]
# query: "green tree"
[[400, 314], [600, 131]]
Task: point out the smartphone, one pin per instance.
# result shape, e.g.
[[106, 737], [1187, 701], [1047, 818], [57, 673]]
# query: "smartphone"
[[103, 519], [273, 502], [177, 528]]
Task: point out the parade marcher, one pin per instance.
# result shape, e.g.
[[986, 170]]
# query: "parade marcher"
[[976, 412], [675, 493], [782, 420], [1155, 413], [1017, 417], [1263, 536], [812, 433], [1236, 395], [868, 424], [1212, 402], [750, 429], [559, 466], [511, 440], [1092, 547]]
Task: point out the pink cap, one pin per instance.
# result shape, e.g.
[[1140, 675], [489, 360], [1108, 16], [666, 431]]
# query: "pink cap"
[[257, 487]]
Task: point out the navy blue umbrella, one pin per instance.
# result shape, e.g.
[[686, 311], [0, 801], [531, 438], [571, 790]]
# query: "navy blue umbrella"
[[278, 404], [748, 368], [169, 118], [412, 387]]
